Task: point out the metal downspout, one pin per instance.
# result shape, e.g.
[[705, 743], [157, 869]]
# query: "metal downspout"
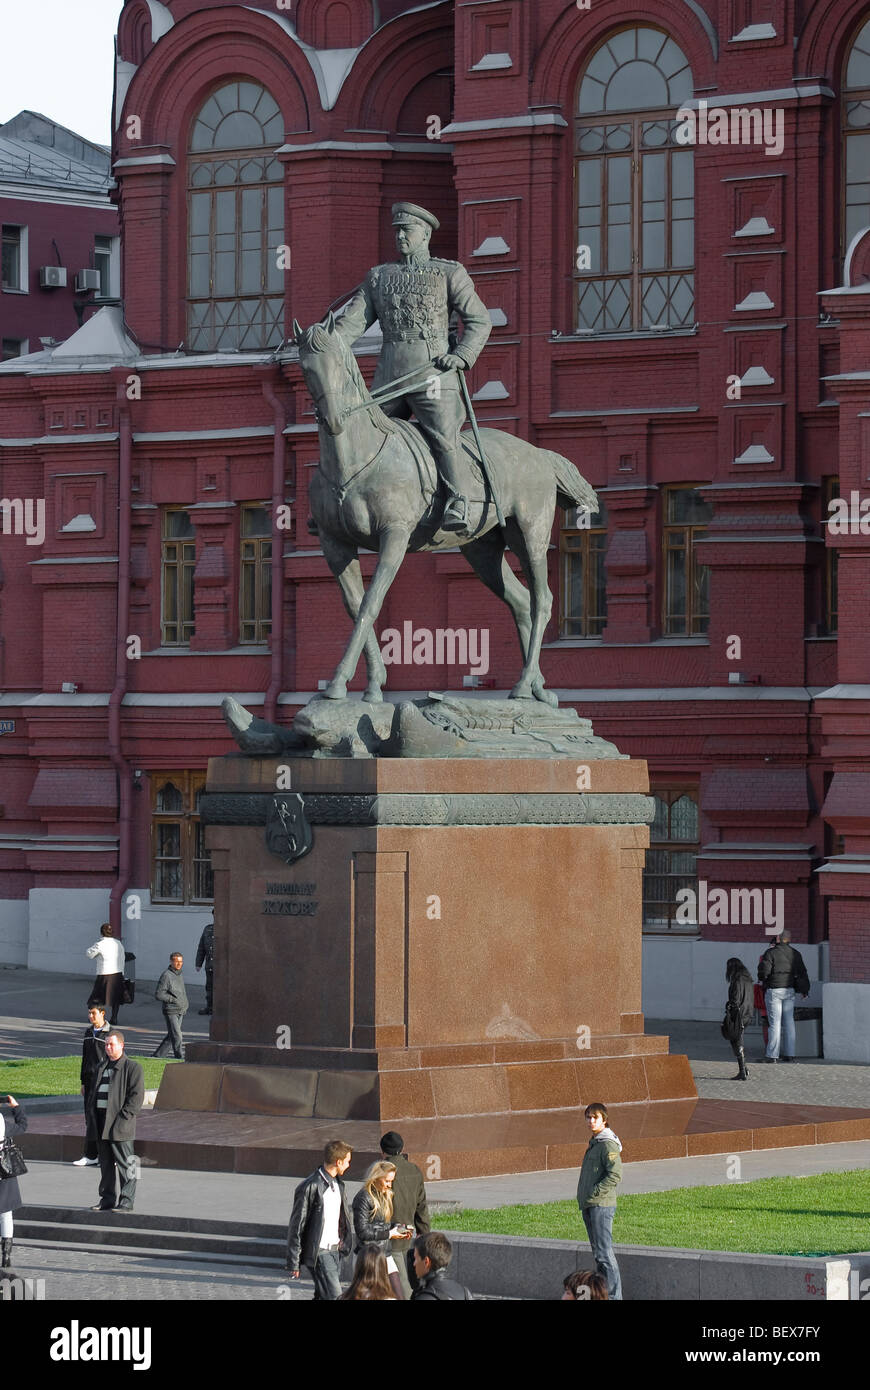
[[125, 786], [277, 632]]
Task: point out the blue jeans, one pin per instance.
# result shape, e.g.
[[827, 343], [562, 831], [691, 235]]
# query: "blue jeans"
[[325, 1273], [173, 1042], [780, 1016], [599, 1228]]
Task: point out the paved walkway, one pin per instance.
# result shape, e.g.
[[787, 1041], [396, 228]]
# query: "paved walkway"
[[242, 1197], [43, 1014], [114, 1276]]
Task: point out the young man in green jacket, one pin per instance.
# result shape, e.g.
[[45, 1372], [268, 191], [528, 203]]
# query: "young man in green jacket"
[[600, 1176]]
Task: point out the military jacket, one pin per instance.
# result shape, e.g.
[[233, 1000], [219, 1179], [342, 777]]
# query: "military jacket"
[[413, 304]]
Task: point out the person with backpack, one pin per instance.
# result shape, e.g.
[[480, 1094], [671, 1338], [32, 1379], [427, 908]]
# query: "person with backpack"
[[432, 1255], [782, 972], [738, 1011]]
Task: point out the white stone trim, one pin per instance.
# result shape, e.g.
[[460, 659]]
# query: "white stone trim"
[[243, 432]]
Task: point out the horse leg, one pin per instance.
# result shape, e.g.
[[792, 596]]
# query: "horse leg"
[[391, 553], [531, 550], [344, 563], [487, 558]]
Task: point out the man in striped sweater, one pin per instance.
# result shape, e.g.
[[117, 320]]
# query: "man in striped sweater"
[[113, 1102]]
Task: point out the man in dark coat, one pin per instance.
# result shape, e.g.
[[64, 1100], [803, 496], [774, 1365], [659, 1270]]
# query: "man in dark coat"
[[432, 1255], [113, 1102], [205, 956], [93, 1057], [173, 996], [321, 1227], [409, 1204], [782, 972]]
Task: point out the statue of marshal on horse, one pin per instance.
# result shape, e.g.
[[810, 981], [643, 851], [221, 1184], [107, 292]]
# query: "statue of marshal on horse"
[[379, 487]]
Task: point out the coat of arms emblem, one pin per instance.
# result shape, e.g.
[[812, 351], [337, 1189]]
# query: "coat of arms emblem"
[[288, 833]]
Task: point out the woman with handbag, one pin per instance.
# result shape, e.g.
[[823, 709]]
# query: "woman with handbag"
[[738, 1011], [373, 1216], [109, 982], [12, 1165]]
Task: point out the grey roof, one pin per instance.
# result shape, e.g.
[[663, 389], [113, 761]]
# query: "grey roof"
[[101, 342], [38, 152]]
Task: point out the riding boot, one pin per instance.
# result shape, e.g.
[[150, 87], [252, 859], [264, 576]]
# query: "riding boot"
[[6, 1257], [455, 516], [743, 1074]]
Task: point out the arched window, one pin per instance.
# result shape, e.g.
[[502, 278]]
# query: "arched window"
[[235, 222], [856, 138], [634, 188]]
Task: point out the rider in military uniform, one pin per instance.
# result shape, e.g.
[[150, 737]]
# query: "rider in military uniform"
[[413, 300]]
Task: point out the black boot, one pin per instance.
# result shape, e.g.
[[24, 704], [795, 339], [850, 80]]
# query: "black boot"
[[6, 1256], [743, 1074]]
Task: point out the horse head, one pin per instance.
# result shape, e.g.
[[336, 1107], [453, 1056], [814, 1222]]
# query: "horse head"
[[323, 362]]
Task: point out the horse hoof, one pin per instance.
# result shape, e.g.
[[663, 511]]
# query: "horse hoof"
[[336, 690], [374, 695], [521, 692], [547, 697]]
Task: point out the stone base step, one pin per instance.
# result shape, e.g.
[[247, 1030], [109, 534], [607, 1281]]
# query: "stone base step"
[[471, 1146], [459, 1081]]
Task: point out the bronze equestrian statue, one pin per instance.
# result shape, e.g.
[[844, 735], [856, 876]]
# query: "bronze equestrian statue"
[[377, 487]]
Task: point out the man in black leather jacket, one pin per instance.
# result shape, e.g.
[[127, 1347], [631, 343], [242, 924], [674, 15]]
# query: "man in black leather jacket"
[[432, 1255], [321, 1228], [782, 972]]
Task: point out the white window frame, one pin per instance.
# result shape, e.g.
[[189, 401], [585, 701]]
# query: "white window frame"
[[23, 261], [23, 343], [114, 265]]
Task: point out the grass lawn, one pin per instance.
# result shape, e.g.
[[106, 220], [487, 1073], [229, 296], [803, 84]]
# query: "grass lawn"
[[823, 1214], [59, 1076]]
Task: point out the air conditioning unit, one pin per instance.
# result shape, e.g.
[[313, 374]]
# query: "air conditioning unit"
[[52, 277], [87, 280]]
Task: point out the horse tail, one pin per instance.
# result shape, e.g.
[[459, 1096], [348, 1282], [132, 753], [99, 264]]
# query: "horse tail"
[[572, 489]]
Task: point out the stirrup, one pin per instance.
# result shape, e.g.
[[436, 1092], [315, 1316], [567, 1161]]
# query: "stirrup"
[[455, 515]]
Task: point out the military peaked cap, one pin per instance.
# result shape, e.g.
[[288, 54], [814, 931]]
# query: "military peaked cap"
[[404, 212]]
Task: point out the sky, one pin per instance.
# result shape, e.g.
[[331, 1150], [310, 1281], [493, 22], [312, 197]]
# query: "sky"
[[57, 57]]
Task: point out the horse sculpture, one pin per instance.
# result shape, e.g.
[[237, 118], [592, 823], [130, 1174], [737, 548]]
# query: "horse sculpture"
[[377, 488]]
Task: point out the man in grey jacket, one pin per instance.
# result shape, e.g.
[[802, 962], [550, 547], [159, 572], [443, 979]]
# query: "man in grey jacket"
[[173, 996], [600, 1176]]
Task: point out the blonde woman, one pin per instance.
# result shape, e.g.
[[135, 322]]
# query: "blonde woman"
[[373, 1215]]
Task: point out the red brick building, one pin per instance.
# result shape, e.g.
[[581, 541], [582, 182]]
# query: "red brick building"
[[663, 210], [60, 237]]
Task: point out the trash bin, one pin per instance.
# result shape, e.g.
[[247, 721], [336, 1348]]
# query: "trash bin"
[[129, 977], [808, 1032]]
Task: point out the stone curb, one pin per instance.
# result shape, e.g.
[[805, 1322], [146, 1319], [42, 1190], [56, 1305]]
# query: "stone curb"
[[517, 1267], [65, 1105], [511, 1267]]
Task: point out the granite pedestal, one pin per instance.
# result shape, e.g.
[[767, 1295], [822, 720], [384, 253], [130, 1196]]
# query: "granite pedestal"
[[462, 938]]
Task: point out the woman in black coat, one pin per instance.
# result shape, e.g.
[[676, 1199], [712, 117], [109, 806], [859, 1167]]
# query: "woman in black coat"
[[739, 1011], [373, 1216], [12, 1117]]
